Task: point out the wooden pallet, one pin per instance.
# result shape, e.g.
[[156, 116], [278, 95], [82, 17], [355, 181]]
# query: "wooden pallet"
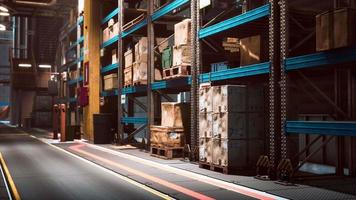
[[177, 72], [167, 152], [128, 84], [217, 168]]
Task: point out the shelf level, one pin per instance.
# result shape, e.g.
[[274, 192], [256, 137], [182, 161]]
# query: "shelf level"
[[110, 15], [110, 42], [239, 20], [134, 120], [134, 28], [75, 81], [79, 41], [245, 71], [331, 128], [331, 57], [168, 84], [109, 68], [168, 8], [109, 93], [134, 90]]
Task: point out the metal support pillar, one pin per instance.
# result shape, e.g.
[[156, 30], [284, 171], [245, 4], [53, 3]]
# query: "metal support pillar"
[[274, 118], [120, 112]]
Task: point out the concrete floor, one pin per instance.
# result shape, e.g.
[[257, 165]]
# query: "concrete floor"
[[42, 169]]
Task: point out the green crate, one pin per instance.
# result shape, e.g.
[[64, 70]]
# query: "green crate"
[[167, 58]]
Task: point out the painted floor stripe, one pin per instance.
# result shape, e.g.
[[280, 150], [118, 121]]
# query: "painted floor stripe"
[[16, 195], [201, 178], [162, 182], [137, 184]]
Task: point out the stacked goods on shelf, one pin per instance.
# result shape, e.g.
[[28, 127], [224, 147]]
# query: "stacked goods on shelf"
[[73, 75], [231, 44], [169, 139], [110, 82], [231, 127], [181, 51], [253, 50], [111, 31], [141, 62], [128, 68], [335, 29]]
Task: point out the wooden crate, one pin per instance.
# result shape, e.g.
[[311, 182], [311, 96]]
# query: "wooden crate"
[[205, 150], [252, 50], [205, 99], [229, 98], [110, 82], [238, 154], [162, 136], [175, 114], [182, 55], [205, 125], [230, 125], [128, 75], [182, 33], [167, 152], [181, 71]]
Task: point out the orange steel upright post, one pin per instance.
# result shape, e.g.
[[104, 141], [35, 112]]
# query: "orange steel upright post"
[[63, 110], [55, 121]]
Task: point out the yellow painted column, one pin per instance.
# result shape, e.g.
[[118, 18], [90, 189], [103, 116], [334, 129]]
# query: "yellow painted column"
[[92, 56]]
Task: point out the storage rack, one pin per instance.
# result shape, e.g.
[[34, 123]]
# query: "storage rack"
[[274, 72], [73, 34]]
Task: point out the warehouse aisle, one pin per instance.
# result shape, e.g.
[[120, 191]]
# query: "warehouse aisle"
[[43, 172]]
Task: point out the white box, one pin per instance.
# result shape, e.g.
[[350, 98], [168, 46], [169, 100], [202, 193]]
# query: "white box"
[[182, 55], [182, 33]]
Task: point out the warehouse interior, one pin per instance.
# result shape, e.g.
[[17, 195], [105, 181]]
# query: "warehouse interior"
[[177, 99]]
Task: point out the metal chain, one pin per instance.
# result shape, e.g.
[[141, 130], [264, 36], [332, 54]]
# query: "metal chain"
[[283, 84]]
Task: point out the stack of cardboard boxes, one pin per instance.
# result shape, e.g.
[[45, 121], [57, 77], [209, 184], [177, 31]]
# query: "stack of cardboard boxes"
[[169, 139], [111, 31], [231, 126]]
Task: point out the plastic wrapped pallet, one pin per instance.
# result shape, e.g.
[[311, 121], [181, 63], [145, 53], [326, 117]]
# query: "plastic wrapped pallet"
[[182, 32]]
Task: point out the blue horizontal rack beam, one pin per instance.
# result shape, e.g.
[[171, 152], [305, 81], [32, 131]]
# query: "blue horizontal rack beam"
[[168, 8], [134, 90], [109, 68], [332, 57], [3, 103], [79, 41], [72, 64], [133, 29], [110, 42], [75, 81], [174, 83], [239, 20], [134, 120], [109, 93], [110, 16], [251, 70], [331, 128]]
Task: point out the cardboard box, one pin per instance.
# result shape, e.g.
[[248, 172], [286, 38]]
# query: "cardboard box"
[[114, 56], [182, 33], [229, 98], [205, 150], [106, 35], [141, 49], [128, 75], [175, 114], [162, 136], [110, 82], [182, 55], [128, 58], [335, 29], [252, 50]]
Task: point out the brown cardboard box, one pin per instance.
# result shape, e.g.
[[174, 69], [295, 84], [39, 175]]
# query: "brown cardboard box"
[[128, 75], [175, 114], [114, 56], [182, 55], [162, 136], [205, 150], [128, 58], [110, 82], [182, 32], [141, 50], [140, 73], [106, 35], [335, 29], [252, 50]]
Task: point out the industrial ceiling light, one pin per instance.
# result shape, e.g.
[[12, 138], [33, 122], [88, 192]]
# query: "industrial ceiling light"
[[25, 65], [3, 9], [4, 14], [2, 27], [45, 66]]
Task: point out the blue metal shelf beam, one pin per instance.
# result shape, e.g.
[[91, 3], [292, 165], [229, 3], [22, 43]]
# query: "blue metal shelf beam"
[[72, 100], [134, 90], [109, 68], [174, 83], [134, 120], [110, 16], [109, 93], [251, 70], [332, 57], [79, 41], [239, 20], [110, 42], [331, 128], [168, 8], [75, 81], [3, 103]]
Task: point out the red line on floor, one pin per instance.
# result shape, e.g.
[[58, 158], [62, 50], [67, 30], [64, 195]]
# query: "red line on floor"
[[165, 183]]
